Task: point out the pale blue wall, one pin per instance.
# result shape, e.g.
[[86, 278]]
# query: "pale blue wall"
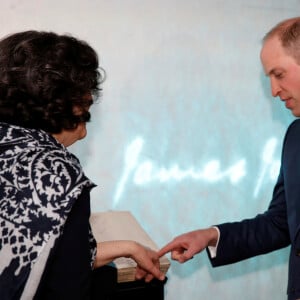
[[184, 89]]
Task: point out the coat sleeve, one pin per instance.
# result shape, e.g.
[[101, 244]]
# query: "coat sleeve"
[[275, 228]]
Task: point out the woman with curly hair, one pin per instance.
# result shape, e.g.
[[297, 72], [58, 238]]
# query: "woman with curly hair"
[[47, 250]]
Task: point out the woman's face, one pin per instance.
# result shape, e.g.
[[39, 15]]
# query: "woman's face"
[[70, 136]]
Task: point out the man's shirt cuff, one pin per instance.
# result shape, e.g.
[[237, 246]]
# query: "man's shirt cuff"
[[213, 249]]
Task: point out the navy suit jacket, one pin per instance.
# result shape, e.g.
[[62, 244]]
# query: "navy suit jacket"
[[278, 226]]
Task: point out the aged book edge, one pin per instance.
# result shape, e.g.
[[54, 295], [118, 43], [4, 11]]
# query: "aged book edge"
[[122, 225]]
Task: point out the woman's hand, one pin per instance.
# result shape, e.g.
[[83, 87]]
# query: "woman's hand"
[[147, 260], [147, 263]]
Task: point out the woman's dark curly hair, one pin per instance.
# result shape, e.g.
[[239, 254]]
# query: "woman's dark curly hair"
[[43, 76]]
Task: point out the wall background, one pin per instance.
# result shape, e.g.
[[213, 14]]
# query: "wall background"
[[186, 134]]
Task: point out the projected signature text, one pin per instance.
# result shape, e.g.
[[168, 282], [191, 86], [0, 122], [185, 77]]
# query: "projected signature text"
[[146, 171]]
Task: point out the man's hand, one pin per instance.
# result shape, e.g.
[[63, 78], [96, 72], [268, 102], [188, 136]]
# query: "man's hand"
[[185, 246]]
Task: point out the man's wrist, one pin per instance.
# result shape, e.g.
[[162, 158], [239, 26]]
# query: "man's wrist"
[[213, 244], [215, 234]]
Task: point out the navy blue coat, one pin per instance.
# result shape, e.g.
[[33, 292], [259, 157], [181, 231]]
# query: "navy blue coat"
[[277, 227]]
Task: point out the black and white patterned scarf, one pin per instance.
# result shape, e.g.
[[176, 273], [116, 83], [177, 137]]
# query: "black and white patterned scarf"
[[39, 182]]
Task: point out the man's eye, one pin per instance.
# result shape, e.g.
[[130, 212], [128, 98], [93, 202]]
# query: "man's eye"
[[278, 75]]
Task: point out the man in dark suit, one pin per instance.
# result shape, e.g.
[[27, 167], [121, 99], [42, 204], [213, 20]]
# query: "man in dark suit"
[[279, 225]]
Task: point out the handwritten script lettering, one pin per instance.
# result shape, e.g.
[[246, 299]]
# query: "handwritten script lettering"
[[143, 172]]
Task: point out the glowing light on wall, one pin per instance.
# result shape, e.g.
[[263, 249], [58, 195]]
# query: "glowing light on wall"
[[270, 165], [131, 157], [147, 171]]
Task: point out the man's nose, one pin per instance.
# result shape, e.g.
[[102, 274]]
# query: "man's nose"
[[275, 88]]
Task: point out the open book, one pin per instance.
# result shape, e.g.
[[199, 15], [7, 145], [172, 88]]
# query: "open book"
[[121, 225]]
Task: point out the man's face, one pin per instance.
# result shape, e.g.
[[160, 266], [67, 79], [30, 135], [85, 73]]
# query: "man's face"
[[284, 74]]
